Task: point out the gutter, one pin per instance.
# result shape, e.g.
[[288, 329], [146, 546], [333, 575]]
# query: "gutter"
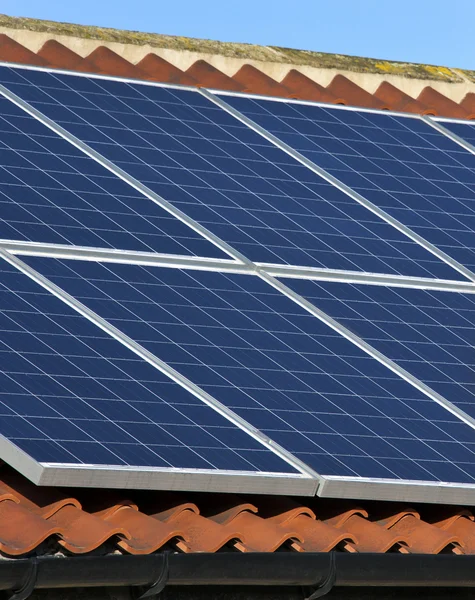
[[319, 571]]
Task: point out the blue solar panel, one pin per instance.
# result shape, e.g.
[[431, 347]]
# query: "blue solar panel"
[[69, 393], [464, 130], [430, 334], [224, 175], [280, 368], [52, 192], [401, 164]]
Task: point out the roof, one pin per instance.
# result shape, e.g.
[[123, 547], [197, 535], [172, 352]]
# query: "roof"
[[316, 76], [52, 520]]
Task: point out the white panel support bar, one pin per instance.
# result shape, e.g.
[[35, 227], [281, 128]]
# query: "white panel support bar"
[[384, 360], [135, 183], [318, 274], [217, 99], [20, 248], [160, 365]]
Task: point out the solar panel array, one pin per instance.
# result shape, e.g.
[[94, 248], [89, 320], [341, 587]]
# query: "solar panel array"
[[194, 372]]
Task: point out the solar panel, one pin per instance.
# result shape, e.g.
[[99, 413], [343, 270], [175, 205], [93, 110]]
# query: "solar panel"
[[227, 177], [428, 333], [401, 164], [464, 130], [73, 396], [52, 192], [278, 367]]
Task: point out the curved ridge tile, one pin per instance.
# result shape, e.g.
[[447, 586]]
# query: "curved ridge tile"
[[12, 51], [441, 104], [110, 63], [468, 104], [257, 82], [59, 56], [305, 88], [342, 87], [209, 76], [397, 100], [159, 69]]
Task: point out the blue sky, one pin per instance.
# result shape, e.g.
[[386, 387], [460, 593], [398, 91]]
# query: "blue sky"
[[428, 31]]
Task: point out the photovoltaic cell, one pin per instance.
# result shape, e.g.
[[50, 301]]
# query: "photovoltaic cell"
[[70, 393], [401, 164], [280, 368], [430, 334], [224, 175], [52, 192]]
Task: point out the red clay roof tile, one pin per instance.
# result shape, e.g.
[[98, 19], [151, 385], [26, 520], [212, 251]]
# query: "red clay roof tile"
[[161, 70], [342, 87], [248, 78], [395, 98], [441, 104], [209, 76], [11, 51], [84, 521], [304, 88], [257, 82]]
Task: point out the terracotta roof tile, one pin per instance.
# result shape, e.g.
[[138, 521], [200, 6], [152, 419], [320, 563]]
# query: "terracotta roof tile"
[[209, 76], [108, 62], [257, 82], [248, 78], [60, 56], [441, 104], [303, 87], [11, 51], [161, 70], [342, 87], [80, 521], [395, 98]]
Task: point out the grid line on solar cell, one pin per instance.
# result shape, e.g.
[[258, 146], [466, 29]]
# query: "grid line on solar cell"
[[52, 192], [71, 394], [399, 163], [224, 175], [278, 367], [429, 333]]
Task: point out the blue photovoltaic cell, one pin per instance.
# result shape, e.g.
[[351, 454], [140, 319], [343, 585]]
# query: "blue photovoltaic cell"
[[224, 175], [69, 393], [429, 333], [280, 368], [401, 164], [464, 130], [52, 192]]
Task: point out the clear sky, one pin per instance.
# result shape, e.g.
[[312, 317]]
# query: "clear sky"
[[428, 31]]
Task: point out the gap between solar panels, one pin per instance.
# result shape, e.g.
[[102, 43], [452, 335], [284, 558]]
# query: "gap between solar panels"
[[396, 489], [216, 96]]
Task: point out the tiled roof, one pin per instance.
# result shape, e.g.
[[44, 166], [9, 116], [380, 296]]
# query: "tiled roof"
[[239, 67], [78, 521]]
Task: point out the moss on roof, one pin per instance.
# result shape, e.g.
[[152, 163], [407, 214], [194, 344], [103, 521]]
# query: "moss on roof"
[[237, 50]]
